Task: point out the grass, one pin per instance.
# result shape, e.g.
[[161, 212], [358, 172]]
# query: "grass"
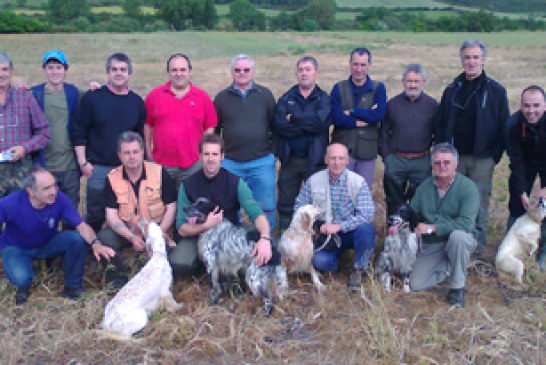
[[499, 326], [389, 3]]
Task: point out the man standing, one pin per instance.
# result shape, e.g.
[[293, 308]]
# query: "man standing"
[[348, 208], [526, 147], [406, 137], [472, 115], [358, 106], [229, 193], [245, 117], [23, 130], [102, 116], [302, 121], [59, 101], [448, 203], [31, 217], [177, 115], [136, 189]]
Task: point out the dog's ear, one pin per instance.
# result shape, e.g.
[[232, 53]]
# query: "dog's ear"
[[307, 221]]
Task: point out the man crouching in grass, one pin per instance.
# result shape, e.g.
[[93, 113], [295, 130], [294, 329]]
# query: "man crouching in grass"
[[31, 217]]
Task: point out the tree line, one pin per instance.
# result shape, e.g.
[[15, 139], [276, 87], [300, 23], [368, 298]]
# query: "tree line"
[[243, 15]]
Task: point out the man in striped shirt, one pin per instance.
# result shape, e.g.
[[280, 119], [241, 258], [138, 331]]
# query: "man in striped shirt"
[[23, 130], [345, 200]]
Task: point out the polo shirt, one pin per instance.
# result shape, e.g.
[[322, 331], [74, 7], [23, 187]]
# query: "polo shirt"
[[178, 124]]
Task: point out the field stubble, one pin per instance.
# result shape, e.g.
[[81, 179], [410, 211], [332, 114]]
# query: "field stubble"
[[498, 325]]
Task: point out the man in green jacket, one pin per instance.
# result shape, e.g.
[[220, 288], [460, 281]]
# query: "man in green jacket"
[[448, 203]]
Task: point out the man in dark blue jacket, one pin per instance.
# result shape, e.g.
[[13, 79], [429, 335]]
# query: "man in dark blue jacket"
[[472, 116], [302, 118]]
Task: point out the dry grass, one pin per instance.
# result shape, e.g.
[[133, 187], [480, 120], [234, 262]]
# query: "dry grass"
[[499, 325]]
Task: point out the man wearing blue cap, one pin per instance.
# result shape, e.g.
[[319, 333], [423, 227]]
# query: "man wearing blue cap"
[[59, 101]]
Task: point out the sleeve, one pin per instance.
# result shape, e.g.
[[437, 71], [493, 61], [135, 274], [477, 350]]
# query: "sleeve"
[[469, 203], [82, 121], [168, 187], [304, 197], [373, 115], [440, 119], [70, 212], [364, 210], [270, 109], [385, 133], [503, 115], [515, 154], [141, 117], [281, 126], [40, 127], [247, 201], [110, 199], [316, 121], [217, 106], [338, 117], [183, 202]]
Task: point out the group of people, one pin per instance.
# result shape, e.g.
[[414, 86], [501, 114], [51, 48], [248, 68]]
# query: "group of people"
[[151, 158]]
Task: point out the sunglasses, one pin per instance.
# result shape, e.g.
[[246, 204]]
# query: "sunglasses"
[[240, 70], [441, 162]]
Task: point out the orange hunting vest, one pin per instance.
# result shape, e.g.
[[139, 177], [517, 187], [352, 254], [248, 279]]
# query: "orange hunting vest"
[[148, 205]]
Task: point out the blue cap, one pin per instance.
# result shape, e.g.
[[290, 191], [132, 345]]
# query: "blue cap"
[[54, 54]]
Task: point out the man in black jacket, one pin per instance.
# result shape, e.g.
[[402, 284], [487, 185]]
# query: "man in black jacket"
[[302, 118], [472, 116], [526, 147]]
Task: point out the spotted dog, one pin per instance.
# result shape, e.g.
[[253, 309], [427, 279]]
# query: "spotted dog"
[[225, 249]]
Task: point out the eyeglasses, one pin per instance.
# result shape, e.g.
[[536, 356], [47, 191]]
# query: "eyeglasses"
[[441, 162], [240, 70]]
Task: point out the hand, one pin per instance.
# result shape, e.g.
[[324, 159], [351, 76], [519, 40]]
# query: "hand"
[[347, 112], [18, 153], [262, 252], [288, 116], [425, 229], [101, 250], [330, 228], [214, 218], [361, 123], [138, 243], [94, 85], [87, 169], [525, 200]]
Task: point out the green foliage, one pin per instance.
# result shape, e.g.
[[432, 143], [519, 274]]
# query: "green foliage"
[[514, 6], [186, 14], [280, 4], [63, 11], [245, 16], [132, 9], [322, 12], [13, 23]]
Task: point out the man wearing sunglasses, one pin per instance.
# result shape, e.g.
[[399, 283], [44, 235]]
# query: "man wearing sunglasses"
[[472, 115], [102, 116], [23, 129], [448, 204], [245, 117]]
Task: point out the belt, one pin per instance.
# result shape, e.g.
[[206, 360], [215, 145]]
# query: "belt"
[[412, 155]]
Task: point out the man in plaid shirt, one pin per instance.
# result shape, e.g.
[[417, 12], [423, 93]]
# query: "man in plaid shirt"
[[23, 130], [345, 200]]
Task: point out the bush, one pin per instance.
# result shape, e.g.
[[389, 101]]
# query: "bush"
[[13, 23]]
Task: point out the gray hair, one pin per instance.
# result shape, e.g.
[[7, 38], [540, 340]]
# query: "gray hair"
[[30, 180], [241, 57], [120, 57], [414, 67], [444, 147], [308, 58], [4, 58], [470, 43], [130, 137]]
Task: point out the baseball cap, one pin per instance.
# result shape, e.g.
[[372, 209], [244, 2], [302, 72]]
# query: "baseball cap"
[[54, 54]]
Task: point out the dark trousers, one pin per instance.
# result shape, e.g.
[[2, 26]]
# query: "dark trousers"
[[531, 172]]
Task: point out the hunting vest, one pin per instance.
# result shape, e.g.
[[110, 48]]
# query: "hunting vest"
[[360, 141], [148, 205]]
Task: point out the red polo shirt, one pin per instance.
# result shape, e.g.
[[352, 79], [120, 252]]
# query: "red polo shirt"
[[178, 124]]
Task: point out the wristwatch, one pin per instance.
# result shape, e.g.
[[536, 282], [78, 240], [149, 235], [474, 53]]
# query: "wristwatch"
[[429, 230]]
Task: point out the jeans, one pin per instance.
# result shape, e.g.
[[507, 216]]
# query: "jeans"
[[18, 261], [95, 196], [361, 239], [259, 174]]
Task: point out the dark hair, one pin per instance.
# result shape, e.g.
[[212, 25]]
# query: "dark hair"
[[308, 58], [178, 55], [30, 180], [361, 51], [535, 88], [120, 57], [130, 137], [54, 60], [211, 138]]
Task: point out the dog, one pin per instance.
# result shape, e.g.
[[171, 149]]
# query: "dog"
[[225, 249], [128, 312], [521, 240], [400, 249], [297, 243]]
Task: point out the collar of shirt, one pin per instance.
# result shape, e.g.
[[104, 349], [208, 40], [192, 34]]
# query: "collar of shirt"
[[242, 93], [340, 180], [136, 185], [124, 92], [443, 192], [167, 89]]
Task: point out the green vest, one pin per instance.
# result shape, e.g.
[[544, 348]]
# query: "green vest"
[[361, 141]]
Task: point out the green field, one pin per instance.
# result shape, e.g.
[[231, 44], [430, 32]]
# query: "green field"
[[389, 3]]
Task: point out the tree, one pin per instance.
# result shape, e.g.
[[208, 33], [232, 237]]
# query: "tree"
[[323, 12], [132, 9], [62, 11], [245, 16], [184, 14]]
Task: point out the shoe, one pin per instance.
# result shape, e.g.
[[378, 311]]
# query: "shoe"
[[456, 298], [355, 280], [114, 279], [21, 296], [73, 294]]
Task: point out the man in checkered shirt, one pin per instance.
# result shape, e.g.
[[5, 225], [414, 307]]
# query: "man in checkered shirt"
[[23, 130]]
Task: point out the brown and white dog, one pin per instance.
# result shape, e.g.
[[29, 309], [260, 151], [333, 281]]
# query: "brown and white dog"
[[521, 241], [150, 289], [296, 243]]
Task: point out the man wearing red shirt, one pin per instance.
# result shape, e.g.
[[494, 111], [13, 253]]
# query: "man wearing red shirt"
[[178, 114]]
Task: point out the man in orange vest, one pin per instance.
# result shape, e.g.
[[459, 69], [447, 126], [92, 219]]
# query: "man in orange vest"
[[136, 189]]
